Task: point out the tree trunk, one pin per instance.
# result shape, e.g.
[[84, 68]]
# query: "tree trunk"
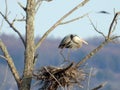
[[30, 46]]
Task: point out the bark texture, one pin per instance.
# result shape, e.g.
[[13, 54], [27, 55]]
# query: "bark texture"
[[30, 46]]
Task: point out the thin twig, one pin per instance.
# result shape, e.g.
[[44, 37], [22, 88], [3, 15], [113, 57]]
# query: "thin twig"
[[100, 86], [92, 53], [1, 24], [105, 42], [96, 28], [38, 6], [115, 37], [21, 6], [75, 19], [47, 0], [20, 20], [1, 56], [6, 8], [53, 77], [89, 77], [12, 26], [37, 3], [115, 21], [59, 21], [15, 19], [111, 25]]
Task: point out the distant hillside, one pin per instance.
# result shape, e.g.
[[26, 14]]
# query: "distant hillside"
[[106, 62]]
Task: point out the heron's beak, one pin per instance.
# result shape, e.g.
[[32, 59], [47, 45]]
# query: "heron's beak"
[[85, 42]]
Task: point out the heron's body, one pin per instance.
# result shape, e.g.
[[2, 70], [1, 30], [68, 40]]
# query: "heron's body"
[[71, 41]]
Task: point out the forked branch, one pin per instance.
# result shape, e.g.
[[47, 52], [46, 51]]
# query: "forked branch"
[[59, 21], [21, 6], [13, 28], [98, 31], [109, 38]]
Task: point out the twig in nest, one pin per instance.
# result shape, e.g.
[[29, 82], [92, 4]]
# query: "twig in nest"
[[53, 76], [100, 86]]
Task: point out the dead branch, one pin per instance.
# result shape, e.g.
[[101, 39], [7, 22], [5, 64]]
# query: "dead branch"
[[110, 28], [100, 86], [89, 77], [21, 6], [39, 1], [53, 76], [109, 38], [47, 0], [13, 28], [38, 6], [20, 20], [1, 25], [75, 19], [10, 62], [1, 56], [6, 9], [92, 53], [98, 31], [59, 21]]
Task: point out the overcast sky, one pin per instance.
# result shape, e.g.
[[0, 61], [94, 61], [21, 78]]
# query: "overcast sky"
[[49, 13]]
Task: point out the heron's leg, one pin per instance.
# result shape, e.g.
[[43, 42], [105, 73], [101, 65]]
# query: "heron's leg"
[[62, 54], [68, 57]]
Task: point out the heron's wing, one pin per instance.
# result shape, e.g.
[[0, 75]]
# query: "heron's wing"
[[66, 40], [76, 40]]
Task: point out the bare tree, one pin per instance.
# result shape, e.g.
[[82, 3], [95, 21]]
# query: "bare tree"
[[31, 8], [57, 77]]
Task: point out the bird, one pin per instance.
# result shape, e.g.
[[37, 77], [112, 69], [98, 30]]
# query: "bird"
[[103, 12], [71, 41]]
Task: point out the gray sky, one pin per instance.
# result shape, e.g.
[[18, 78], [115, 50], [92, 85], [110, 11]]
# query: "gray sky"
[[50, 12]]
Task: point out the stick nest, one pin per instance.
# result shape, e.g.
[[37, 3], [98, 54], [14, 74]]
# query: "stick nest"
[[52, 78]]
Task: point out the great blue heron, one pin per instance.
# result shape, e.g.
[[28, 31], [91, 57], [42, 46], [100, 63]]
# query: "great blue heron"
[[71, 41]]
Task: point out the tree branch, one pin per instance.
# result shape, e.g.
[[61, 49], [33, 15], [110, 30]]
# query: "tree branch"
[[75, 19], [59, 21], [21, 6], [96, 28], [92, 53], [38, 6], [112, 24], [12, 26], [10, 62], [1, 25], [53, 77], [105, 42], [100, 86], [89, 77], [1, 56]]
